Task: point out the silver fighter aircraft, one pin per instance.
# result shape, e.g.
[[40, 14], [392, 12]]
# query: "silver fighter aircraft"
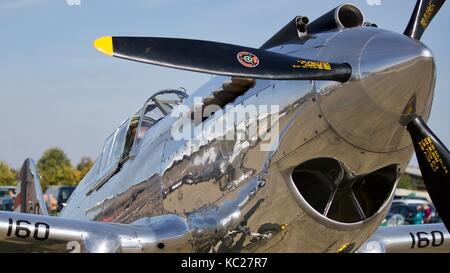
[[294, 147]]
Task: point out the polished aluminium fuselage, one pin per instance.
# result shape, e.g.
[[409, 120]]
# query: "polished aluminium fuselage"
[[232, 192], [429, 238]]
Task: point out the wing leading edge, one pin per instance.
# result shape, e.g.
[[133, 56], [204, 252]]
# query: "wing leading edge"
[[21, 232]]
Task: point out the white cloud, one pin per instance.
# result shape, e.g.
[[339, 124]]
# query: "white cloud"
[[374, 2]]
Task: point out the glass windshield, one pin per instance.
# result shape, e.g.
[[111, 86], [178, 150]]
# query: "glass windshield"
[[131, 133], [118, 145], [65, 193], [113, 149], [157, 107], [52, 192], [106, 154]]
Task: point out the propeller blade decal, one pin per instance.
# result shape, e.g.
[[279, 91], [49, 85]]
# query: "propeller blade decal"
[[434, 163], [221, 59], [424, 12]]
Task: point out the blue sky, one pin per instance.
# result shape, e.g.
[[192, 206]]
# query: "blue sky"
[[57, 90]]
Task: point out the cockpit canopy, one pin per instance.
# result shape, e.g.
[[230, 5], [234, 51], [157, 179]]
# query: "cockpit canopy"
[[155, 108], [127, 138]]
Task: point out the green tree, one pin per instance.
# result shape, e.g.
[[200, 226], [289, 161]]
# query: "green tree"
[[406, 182], [83, 168], [8, 176], [55, 168]]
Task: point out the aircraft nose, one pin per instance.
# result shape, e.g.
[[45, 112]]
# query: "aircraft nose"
[[393, 79], [398, 74]]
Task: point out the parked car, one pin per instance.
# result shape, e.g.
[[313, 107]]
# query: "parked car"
[[6, 203], [7, 191], [7, 195], [402, 212], [409, 197], [56, 197]]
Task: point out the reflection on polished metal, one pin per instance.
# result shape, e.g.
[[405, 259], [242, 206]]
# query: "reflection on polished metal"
[[213, 194], [237, 197], [53, 234]]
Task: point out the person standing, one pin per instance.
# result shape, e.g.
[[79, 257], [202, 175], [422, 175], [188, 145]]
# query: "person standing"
[[427, 217], [418, 216]]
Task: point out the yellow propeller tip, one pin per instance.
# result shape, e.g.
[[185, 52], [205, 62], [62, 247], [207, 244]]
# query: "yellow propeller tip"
[[104, 45]]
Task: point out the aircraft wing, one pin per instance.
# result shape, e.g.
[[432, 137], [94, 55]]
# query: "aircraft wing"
[[20, 232], [432, 238], [31, 229]]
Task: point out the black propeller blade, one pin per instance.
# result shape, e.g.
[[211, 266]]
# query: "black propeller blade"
[[221, 59], [424, 12], [434, 162]]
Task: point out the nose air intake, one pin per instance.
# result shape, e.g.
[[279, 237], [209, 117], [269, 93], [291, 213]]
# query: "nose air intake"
[[334, 192]]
